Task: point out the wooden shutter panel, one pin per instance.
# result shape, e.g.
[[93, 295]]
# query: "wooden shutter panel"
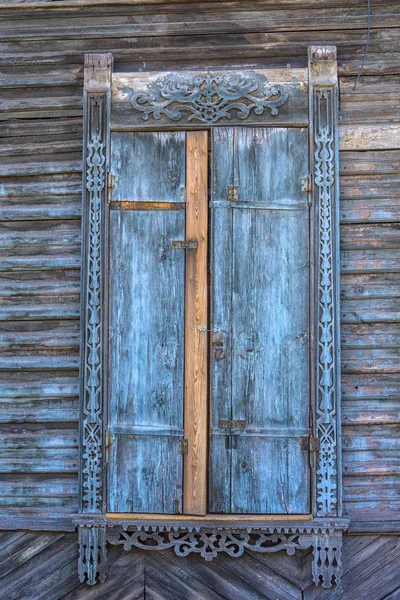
[[146, 307], [260, 317]]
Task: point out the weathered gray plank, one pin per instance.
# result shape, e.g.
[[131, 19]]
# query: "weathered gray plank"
[[268, 392], [149, 166], [147, 327]]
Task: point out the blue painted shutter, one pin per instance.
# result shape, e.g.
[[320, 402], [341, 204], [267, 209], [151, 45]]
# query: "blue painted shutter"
[[146, 323], [260, 316]]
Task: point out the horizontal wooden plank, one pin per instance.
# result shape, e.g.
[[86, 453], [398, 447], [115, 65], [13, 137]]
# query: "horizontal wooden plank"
[[68, 75], [39, 207], [149, 5], [40, 245], [39, 362], [39, 336], [43, 460], [376, 210], [26, 386], [367, 236], [369, 186], [36, 127], [371, 412], [370, 335], [370, 285], [386, 260], [369, 137], [39, 486], [370, 386], [372, 437], [371, 488], [199, 19], [16, 437], [47, 146], [39, 294], [226, 46], [53, 185], [376, 462], [66, 164], [370, 310], [369, 162], [382, 360]]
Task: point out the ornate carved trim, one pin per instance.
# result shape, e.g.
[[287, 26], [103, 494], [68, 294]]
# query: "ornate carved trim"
[[209, 543], [96, 119], [327, 563], [324, 153], [92, 543], [92, 563], [208, 98]]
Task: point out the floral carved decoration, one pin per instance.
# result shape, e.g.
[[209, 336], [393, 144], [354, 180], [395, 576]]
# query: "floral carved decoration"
[[208, 543], [326, 400], [208, 98]]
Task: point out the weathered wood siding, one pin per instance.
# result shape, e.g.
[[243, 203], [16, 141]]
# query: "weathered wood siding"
[[38, 566], [41, 113]]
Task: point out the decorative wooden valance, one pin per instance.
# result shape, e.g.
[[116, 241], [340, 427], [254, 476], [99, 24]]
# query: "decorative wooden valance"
[[190, 100]]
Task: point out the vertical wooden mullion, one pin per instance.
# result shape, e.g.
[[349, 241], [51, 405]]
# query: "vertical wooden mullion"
[[195, 420]]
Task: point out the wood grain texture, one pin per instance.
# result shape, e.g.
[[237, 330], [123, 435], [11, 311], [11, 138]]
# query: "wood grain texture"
[[260, 273], [196, 324], [146, 376], [40, 176], [41, 565]]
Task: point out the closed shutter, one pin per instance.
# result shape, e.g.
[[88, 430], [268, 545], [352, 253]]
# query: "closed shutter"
[[260, 380], [146, 322]]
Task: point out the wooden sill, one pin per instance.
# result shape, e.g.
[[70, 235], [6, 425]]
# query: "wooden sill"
[[209, 517]]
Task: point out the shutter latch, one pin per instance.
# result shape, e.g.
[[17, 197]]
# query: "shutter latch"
[[310, 443], [185, 244], [183, 446]]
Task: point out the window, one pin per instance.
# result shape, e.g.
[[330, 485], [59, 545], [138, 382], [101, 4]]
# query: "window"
[[210, 355], [246, 412]]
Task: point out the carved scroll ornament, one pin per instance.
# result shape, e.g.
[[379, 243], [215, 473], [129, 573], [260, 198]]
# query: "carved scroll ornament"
[[326, 544], [208, 98]]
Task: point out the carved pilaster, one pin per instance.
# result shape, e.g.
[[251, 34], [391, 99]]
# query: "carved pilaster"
[[327, 563], [92, 554], [323, 106], [97, 99]]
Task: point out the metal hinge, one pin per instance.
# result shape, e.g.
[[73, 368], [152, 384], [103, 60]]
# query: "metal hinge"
[[305, 184], [108, 443], [111, 184], [185, 244], [183, 446], [310, 443], [228, 424], [233, 193]]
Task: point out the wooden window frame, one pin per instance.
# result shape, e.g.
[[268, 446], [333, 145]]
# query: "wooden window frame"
[[305, 97]]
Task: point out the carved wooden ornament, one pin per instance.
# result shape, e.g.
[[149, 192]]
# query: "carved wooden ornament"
[[208, 100]]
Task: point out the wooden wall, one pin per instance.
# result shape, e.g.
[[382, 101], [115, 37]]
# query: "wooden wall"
[[43, 566], [42, 46]]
